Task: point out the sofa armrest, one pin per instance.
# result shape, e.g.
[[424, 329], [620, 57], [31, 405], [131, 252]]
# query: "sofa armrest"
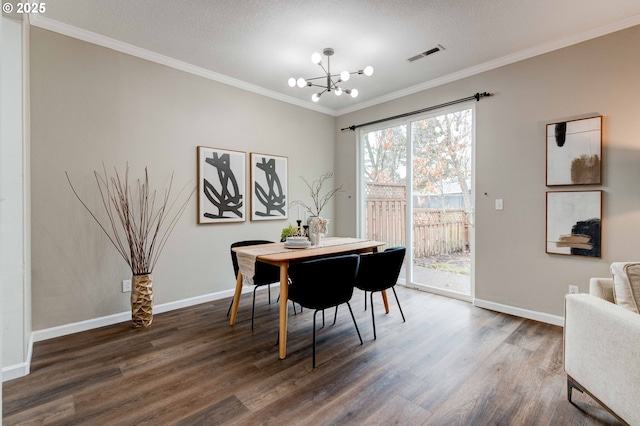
[[602, 352], [602, 288]]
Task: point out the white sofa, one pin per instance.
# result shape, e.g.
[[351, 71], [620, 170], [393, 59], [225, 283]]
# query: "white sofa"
[[602, 350]]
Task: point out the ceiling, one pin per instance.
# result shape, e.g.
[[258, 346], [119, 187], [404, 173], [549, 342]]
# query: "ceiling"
[[260, 44]]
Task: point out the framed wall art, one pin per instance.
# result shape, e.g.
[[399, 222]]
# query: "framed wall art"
[[221, 185], [269, 186], [574, 223], [574, 152]]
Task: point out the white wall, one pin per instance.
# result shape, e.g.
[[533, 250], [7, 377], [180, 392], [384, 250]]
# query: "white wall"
[[14, 259], [92, 105], [597, 77]]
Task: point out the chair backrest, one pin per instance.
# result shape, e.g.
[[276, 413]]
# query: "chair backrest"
[[265, 273], [323, 283], [380, 271]]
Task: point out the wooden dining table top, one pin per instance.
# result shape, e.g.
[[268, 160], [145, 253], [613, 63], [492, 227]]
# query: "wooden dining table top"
[[334, 246]]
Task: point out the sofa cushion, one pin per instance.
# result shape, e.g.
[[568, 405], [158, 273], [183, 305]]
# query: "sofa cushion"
[[626, 285]]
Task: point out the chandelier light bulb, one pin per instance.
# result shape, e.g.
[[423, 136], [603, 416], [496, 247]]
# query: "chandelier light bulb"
[[328, 82]]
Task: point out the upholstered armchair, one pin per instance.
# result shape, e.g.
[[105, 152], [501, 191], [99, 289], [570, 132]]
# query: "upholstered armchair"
[[602, 342]]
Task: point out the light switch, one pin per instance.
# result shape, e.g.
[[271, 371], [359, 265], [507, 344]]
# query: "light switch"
[[499, 205]]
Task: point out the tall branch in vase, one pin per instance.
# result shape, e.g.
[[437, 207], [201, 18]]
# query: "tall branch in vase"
[[318, 202], [138, 225], [317, 224]]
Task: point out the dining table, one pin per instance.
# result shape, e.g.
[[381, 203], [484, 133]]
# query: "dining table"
[[279, 255]]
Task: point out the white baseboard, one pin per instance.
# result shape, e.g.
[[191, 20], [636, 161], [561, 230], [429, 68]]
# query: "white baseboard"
[[76, 327], [20, 370], [14, 371], [519, 312]]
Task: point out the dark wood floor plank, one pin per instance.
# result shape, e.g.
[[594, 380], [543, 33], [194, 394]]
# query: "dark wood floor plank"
[[450, 363]]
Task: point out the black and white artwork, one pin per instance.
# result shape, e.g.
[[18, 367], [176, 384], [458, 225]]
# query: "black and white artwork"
[[268, 187], [574, 152], [221, 185], [574, 223]]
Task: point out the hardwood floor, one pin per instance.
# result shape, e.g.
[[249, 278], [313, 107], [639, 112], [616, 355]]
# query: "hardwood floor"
[[449, 364]]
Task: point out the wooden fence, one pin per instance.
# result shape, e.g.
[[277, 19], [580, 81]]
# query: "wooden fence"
[[434, 231]]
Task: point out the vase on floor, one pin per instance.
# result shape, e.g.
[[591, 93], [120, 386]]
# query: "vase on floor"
[[142, 300]]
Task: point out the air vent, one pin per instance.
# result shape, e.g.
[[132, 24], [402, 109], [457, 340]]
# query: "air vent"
[[427, 53]]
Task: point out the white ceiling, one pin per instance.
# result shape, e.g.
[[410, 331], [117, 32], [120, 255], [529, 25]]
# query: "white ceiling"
[[259, 44]]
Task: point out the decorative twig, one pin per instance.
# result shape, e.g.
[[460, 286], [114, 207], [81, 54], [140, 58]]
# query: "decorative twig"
[[144, 225], [314, 188]]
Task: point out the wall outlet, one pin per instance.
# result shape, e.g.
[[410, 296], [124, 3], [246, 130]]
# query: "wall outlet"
[[574, 289], [126, 286]]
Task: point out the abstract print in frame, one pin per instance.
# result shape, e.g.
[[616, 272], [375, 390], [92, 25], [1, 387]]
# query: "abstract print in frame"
[[268, 187], [574, 152], [574, 223], [221, 185]]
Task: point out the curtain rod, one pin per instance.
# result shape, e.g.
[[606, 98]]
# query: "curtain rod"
[[477, 97]]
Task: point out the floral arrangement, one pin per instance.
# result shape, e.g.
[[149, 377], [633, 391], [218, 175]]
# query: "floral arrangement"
[[318, 201]]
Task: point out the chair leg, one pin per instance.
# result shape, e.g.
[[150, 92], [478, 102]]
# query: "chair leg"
[[355, 323], [230, 305], [365, 300], [398, 301], [570, 386], [335, 316], [323, 318], [269, 290], [313, 359], [373, 317], [253, 307]]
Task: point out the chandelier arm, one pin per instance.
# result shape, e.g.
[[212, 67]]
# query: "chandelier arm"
[[323, 69], [324, 86], [316, 78]]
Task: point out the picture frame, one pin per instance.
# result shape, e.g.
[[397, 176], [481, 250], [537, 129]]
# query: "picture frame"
[[269, 187], [221, 185], [574, 152], [574, 223]]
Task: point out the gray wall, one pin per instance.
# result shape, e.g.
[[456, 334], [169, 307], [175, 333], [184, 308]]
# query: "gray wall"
[[92, 105], [598, 77]]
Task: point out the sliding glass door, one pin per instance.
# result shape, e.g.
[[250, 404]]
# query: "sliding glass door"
[[417, 185]]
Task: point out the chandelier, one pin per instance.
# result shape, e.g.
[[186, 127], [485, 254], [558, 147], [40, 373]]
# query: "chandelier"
[[330, 81]]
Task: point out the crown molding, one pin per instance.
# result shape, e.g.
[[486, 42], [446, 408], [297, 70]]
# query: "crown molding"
[[500, 62], [110, 43], [100, 40]]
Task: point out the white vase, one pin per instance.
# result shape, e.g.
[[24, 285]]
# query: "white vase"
[[314, 236]]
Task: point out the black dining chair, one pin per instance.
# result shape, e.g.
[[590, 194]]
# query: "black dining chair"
[[378, 272], [265, 274], [324, 283]]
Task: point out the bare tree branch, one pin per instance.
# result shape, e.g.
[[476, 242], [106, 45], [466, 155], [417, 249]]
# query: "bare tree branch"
[[145, 225]]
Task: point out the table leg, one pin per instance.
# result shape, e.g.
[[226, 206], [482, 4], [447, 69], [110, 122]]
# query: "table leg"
[[236, 299], [385, 301], [284, 298]]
